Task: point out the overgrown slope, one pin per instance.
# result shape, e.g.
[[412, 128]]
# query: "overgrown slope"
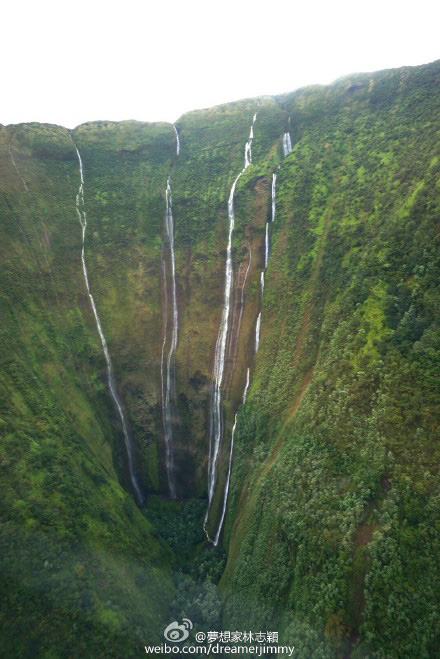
[[331, 525], [81, 571], [331, 528]]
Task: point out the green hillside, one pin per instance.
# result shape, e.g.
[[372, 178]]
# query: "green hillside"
[[331, 532], [82, 573], [332, 526]]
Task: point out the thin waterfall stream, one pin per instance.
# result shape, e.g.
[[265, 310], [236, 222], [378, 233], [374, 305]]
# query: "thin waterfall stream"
[[274, 192], [228, 480], [287, 142], [177, 141], [17, 170], [168, 368], [267, 240], [80, 209], [216, 430], [170, 332], [257, 343], [257, 332], [248, 160], [168, 365]]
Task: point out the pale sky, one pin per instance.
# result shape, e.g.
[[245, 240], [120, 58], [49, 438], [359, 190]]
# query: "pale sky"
[[69, 62]]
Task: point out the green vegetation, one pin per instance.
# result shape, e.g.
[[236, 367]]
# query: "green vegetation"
[[330, 528], [197, 566], [180, 524], [331, 534], [81, 571]]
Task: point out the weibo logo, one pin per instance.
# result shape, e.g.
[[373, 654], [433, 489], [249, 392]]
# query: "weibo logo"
[[178, 633]]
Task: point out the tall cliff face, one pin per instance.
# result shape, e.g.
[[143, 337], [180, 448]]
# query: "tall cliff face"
[[329, 527], [330, 518], [78, 559]]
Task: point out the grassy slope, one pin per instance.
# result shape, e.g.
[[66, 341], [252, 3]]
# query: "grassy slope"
[[331, 524], [81, 572]]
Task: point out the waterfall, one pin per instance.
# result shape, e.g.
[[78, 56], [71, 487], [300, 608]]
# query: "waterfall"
[[228, 478], [266, 247], [266, 262], [164, 343], [177, 141], [168, 372], [219, 357], [80, 209], [248, 146], [257, 332], [216, 432], [274, 183], [17, 170], [257, 342], [246, 385], [266, 258], [235, 325], [216, 417], [287, 143]]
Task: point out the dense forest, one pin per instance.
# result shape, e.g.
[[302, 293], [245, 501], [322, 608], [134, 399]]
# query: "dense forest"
[[322, 522]]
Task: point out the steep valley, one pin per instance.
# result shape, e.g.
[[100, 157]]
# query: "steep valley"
[[330, 531]]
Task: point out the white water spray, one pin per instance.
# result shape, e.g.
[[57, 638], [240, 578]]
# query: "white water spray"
[[167, 374], [274, 189], [257, 332], [228, 478], [266, 258], [287, 142], [216, 432], [266, 247], [80, 209], [177, 141], [219, 359], [248, 146], [246, 385]]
